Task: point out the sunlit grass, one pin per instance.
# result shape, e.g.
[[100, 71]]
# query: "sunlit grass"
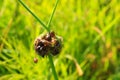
[[90, 31]]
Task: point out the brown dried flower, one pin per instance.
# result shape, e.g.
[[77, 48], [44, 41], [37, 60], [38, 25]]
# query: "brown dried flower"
[[48, 43]]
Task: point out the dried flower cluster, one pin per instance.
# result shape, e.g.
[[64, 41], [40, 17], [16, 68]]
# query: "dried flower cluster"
[[48, 43]]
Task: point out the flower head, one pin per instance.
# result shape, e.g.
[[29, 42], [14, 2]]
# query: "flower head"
[[48, 43]]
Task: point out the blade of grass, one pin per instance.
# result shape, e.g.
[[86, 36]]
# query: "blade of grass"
[[52, 14], [38, 19]]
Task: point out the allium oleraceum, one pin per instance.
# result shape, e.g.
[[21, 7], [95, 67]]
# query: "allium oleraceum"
[[48, 43]]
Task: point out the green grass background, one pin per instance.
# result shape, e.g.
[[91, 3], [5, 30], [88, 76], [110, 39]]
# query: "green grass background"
[[91, 38]]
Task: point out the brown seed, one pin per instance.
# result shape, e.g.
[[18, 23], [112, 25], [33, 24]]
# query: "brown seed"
[[35, 60]]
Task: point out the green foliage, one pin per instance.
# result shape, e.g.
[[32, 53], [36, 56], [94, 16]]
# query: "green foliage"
[[90, 31]]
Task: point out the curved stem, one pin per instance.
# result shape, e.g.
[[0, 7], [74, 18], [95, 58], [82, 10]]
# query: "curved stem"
[[34, 15]]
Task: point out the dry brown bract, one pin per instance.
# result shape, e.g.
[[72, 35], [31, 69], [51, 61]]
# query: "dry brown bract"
[[48, 43]]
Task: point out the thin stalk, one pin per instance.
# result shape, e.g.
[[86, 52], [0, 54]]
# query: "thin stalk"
[[38, 19], [52, 14], [52, 66], [49, 55]]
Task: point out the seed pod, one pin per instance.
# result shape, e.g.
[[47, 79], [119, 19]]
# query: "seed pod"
[[48, 43]]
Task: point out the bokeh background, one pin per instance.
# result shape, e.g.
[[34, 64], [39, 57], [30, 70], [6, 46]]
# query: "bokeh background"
[[91, 38]]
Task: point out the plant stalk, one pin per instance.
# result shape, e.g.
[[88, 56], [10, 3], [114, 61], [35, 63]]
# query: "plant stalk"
[[49, 55], [38, 19], [52, 66], [52, 14]]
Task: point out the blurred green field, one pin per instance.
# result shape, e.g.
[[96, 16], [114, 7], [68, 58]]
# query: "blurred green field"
[[91, 38]]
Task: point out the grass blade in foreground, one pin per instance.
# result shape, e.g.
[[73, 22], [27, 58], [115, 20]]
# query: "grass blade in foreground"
[[34, 16], [52, 14]]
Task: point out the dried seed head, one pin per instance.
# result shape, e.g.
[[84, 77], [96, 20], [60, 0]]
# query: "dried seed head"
[[48, 43]]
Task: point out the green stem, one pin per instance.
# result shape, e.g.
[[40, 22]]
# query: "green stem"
[[49, 55], [52, 14], [52, 66], [34, 16]]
